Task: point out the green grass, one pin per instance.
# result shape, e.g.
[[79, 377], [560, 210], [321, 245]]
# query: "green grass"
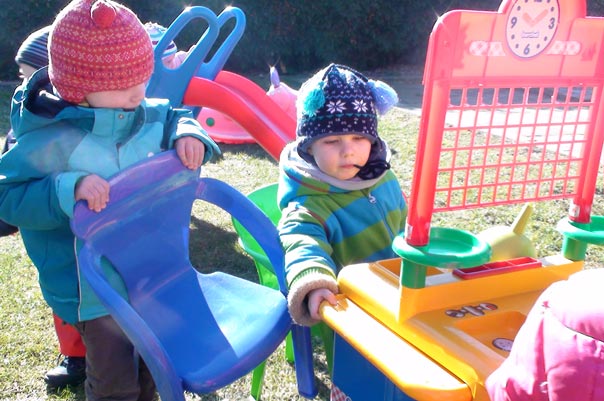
[[27, 339]]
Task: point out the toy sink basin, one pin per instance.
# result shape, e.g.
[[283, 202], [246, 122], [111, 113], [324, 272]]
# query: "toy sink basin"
[[591, 233], [447, 248]]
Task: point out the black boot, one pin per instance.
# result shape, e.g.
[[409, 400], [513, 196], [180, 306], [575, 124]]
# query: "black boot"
[[7, 229], [70, 372]]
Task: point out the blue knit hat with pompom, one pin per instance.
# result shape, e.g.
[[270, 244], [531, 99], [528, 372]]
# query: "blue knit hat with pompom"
[[337, 101]]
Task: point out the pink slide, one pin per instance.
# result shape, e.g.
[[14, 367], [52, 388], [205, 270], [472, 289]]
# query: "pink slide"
[[246, 103]]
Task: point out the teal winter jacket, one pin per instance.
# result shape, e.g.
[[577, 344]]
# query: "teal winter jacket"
[[58, 143], [327, 224]]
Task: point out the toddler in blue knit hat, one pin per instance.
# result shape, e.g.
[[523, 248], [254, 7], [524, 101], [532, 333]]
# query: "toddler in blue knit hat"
[[340, 201]]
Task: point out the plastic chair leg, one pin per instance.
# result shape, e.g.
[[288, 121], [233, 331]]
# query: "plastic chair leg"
[[305, 374], [258, 372], [289, 348], [326, 334], [303, 355], [258, 380]]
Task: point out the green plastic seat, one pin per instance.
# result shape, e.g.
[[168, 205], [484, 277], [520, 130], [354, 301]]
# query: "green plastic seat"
[[266, 199]]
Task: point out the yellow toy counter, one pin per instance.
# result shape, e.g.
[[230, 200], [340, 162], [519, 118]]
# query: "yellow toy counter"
[[439, 342]]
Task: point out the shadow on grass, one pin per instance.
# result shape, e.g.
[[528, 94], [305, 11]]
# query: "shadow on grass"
[[215, 249], [72, 393]]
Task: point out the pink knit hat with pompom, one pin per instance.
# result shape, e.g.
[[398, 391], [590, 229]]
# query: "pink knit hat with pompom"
[[97, 46]]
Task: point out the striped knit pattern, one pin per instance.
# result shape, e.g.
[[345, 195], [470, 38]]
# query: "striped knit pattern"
[[97, 46], [34, 50]]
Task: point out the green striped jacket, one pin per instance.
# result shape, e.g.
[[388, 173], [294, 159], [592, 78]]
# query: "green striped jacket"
[[326, 226]]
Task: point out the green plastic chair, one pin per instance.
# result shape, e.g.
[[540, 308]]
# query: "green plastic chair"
[[266, 199]]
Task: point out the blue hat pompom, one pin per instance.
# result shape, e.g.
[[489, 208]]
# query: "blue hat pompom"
[[385, 96], [314, 100]]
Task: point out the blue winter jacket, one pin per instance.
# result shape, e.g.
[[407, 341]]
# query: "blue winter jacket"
[[58, 143]]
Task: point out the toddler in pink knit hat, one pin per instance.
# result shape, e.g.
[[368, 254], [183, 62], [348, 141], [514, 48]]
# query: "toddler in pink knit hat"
[[78, 122]]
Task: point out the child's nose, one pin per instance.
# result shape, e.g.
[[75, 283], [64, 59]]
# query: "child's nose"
[[347, 148]]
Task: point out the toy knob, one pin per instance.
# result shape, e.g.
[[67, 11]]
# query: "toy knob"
[[519, 225], [510, 242]]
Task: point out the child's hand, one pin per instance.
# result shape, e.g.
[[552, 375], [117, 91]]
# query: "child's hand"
[[315, 297], [190, 151], [94, 190]]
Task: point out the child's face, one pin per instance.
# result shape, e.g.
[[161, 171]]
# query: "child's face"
[[26, 71], [338, 155], [129, 98]]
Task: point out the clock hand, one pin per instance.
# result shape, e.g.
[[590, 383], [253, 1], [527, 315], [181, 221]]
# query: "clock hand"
[[527, 18], [539, 17]]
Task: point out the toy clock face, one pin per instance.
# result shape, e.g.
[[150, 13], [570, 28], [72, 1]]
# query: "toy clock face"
[[531, 26]]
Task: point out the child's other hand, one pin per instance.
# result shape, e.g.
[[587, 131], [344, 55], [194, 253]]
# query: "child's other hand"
[[315, 297], [190, 151], [94, 190]]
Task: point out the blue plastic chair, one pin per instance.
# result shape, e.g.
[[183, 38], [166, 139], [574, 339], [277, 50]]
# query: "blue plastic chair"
[[196, 332]]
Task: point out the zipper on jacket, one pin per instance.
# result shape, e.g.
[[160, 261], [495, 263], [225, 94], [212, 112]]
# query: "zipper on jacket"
[[372, 199]]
